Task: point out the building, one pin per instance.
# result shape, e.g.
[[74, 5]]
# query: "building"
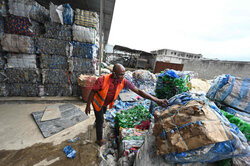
[[174, 56], [129, 57]]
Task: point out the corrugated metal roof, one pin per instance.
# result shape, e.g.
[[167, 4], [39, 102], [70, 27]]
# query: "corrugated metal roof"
[[91, 5], [126, 49]]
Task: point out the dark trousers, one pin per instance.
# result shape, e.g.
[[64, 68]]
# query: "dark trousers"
[[99, 122]]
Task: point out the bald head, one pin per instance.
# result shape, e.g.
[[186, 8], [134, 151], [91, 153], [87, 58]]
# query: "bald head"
[[118, 66], [118, 71]]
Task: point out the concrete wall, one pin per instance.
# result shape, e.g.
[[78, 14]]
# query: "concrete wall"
[[208, 69]]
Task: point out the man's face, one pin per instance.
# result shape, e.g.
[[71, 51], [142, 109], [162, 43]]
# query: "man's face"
[[119, 73]]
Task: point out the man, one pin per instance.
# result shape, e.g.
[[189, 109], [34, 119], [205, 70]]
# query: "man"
[[105, 92]]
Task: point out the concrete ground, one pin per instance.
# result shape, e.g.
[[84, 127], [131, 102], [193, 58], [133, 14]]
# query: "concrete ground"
[[19, 131]]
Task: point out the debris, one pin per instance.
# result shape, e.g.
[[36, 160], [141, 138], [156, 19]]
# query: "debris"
[[51, 112], [132, 117], [74, 139], [69, 151]]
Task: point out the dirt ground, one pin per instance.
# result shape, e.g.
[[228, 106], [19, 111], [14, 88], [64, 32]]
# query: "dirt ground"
[[22, 144], [87, 154]]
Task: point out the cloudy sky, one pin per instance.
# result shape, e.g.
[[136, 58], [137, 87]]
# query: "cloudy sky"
[[215, 28]]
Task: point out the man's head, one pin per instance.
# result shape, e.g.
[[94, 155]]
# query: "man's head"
[[118, 71]]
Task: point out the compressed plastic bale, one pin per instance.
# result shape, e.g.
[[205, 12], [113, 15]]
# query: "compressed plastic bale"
[[18, 25], [18, 43], [169, 84], [55, 76], [237, 146], [84, 65], [39, 13], [84, 50], [57, 31], [84, 34], [20, 7], [17, 89], [31, 76], [57, 90], [86, 18], [53, 62], [28, 8], [51, 46], [21, 60], [232, 91]]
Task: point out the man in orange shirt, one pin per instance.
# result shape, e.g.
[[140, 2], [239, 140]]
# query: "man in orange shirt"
[[105, 92]]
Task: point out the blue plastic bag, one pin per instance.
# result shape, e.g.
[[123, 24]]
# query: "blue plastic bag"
[[69, 151], [68, 14]]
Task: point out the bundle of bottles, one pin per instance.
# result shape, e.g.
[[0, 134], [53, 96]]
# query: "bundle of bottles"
[[132, 117], [170, 84]]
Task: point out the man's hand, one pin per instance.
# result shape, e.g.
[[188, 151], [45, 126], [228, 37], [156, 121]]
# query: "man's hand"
[[162, 102], [87, 110]]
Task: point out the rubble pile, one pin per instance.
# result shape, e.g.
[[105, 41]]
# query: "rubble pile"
[[57, 45]]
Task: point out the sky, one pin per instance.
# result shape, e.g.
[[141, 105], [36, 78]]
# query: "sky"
[[214, 28]]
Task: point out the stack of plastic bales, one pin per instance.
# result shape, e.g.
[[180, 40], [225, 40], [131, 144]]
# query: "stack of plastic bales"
[[52, 49], [21, 73], [85, 42], [38, 55]]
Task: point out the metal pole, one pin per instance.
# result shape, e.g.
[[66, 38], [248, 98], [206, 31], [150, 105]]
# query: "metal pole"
[[101, 37]]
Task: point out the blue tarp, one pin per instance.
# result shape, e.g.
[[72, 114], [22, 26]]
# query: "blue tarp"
[[68, 14], [231, 91], [238, 146]]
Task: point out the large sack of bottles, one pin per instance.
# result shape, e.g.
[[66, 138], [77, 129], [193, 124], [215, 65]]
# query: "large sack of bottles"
[[169, 84]]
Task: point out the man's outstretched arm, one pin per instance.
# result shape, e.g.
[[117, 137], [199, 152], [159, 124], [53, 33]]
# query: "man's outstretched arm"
[[161, 102]]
